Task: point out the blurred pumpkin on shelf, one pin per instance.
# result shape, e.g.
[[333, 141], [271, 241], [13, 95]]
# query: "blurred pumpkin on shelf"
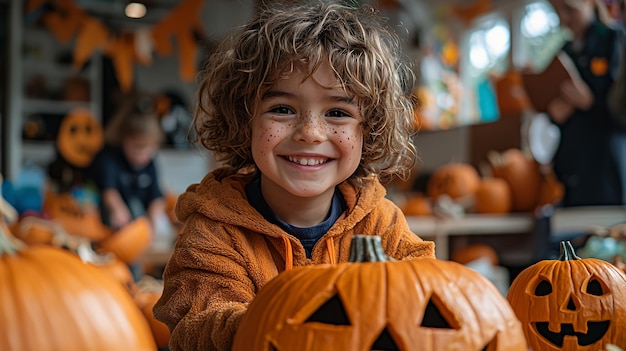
[[473, 252], [522, 174], [456, 180], [493, 196], [417, 204]]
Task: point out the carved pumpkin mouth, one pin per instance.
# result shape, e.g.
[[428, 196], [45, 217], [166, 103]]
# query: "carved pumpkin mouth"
[[595, 332]]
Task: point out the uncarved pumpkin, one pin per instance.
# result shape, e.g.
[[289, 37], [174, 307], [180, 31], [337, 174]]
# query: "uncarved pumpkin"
[[417, 205], [493, 196], [130, 241], [522, 174], [454, 179], [472, 252], [51, 300], [148, 292], [571, 303], [424, 304]]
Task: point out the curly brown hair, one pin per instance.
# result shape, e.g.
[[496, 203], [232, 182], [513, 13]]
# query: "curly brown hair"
[[365, 55]]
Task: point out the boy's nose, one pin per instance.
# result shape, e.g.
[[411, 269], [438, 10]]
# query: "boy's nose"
[[311, 129]]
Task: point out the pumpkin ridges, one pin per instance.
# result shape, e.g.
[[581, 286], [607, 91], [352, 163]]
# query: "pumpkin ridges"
[[51, 278]]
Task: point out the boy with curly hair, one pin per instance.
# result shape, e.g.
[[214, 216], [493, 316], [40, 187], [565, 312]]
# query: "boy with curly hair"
[[306, 107]]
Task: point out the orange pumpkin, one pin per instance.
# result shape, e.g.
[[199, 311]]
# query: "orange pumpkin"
[[148, 293], [417, 205], [493, 196], [571, 303], [79, 138], [51, 300], [469, 253], [129, 242], [522, 174], [378, 304], [454, 179]]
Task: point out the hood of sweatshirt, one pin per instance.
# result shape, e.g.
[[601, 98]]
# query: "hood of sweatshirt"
[[225, 201]]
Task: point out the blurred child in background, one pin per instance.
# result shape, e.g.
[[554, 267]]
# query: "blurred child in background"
[[125, 170]]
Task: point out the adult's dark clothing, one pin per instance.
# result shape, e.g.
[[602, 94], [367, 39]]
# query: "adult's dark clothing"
[[591, 157]]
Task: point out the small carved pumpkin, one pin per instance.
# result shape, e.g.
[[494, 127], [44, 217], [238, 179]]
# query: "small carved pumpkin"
[[75, 218], [377, 304], [571, 303], [80, 137]]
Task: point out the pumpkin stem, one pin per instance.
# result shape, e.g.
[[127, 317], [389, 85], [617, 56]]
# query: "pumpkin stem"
[[367, 248], [567, 251]]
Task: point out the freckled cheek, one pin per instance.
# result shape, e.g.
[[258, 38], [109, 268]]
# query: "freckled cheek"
[[266, 137]]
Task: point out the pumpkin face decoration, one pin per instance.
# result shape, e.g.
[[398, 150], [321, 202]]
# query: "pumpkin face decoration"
[[75, 218], [571, 303], [80, 137], [424, 304]]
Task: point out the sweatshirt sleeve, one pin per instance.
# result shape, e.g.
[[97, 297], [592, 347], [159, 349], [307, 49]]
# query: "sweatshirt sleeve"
[[206, 289], [398, 240]]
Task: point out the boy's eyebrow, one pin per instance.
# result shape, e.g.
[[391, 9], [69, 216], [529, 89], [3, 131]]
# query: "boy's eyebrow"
[[279, 93]]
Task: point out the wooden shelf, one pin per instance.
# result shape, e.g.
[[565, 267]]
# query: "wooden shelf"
[[440, 230], [563, 221]]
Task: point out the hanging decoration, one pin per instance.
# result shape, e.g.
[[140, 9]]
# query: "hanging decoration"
[[67, 21]]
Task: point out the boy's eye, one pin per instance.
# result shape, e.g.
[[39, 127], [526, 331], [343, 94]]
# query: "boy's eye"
[[283, 110], [337, 113]]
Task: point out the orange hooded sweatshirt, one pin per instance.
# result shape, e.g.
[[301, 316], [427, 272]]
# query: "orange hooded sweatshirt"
[[227, 251]]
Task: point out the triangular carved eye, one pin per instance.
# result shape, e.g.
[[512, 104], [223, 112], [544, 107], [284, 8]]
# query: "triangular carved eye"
[[543, 288], [385, 342], [595, 287], [437, 315], [331, 312]]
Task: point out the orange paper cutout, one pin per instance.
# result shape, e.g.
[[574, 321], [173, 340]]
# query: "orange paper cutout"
[[122, 52], [67, 20], [93, 36]]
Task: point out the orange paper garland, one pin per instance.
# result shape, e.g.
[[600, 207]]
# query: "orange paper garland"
[[67, 21]]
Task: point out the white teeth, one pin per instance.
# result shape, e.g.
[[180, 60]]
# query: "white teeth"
[[307, 161]]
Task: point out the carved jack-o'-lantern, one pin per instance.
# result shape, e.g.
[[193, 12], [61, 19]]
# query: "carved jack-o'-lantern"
[[571, 303], [420, 304], [80, 137], [75, 218]]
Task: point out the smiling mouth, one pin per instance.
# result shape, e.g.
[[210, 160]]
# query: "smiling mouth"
[[595, 332], [307, 161]]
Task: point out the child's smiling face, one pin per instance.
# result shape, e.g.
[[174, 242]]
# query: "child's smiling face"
[[306, 138]]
